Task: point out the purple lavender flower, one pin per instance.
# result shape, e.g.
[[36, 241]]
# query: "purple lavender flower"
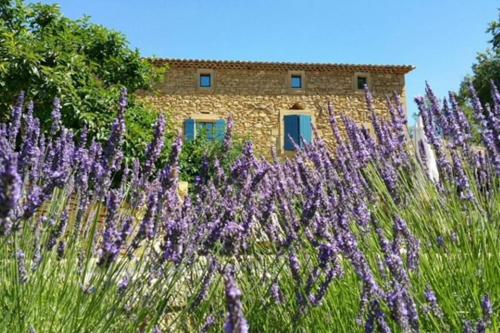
[[487, 308], [61, 249], [390, 177], [21, 267], [235, 322], [276, 293], [10, 190], [377, 126], [209, 323], [468, 327], [155, 148], [327, 254], [486, 132], [123, 284], [461, 179], [460, 117], [361, 153], [376, 318], [127, 229], [401, 229], [206, 283], [398, 307], [440, 120], [323, 289], [37, 256], [433, 138], [228, 137], [392, 256], [58, 231], [35, 200], [15, 123], [147, 227], [56, 117], [334, 125], [169, 176], [433, 305], [112, 152], [440, 241]]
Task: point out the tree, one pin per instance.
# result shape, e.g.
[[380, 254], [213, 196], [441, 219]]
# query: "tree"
[[47, 55], [487, 68]]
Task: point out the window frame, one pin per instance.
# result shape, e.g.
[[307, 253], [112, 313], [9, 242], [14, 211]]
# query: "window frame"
[[292, 81], [281, 135], [205, 118], [355, 81], [363, 79], [289, 81], [205, 71], [205, 75], [200, 126]]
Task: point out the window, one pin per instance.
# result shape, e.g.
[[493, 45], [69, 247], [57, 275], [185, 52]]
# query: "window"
[[297, 81], [206, 128], [361, 82], [298, 130], [205, 81], [213, 129]]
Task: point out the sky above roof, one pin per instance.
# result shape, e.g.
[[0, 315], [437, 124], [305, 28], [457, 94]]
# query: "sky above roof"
[[440, 38]]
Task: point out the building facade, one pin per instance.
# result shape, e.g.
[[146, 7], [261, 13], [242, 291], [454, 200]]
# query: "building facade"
[[270, 102]]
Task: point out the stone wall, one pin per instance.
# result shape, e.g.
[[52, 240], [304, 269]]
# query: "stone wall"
[[258, 99]]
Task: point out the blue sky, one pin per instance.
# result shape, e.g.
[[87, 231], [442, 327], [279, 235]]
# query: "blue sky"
[[441, 38]]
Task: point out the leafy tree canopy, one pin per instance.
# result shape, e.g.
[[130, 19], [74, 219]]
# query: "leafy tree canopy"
[[487, 68], [48, 55]]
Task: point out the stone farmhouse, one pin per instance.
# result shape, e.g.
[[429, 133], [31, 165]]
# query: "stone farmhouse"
[[270, 101]]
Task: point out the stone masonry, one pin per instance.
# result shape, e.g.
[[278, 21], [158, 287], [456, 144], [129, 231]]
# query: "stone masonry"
[[258, 95]]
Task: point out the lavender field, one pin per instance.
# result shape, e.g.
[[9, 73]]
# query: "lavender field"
[[351, 240]]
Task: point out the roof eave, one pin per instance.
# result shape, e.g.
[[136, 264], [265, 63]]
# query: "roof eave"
[[327, 67]]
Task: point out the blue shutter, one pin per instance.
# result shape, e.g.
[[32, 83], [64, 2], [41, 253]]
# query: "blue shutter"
[[189, 129], [305, 126], [291, 130], [220, 129]]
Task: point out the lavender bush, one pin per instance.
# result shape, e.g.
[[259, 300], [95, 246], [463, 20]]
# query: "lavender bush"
[[354, 239]]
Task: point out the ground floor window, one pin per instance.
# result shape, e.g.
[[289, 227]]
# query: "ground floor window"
[[298, 129], [206, 128], [212, 130]]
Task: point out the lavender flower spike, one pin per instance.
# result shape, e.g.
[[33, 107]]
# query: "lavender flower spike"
[[16, 119], [487, 308], [228, 137], [10, 192], [21, 267], [433, 305], [56, 117], [155, 148], [112, 152], [235, 322], [486, 133]]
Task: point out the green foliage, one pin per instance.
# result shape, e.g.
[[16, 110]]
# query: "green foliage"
[[200, 150], [487, 68], [48, 55]]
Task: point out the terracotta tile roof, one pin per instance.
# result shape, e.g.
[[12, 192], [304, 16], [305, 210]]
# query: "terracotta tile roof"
[[255, 65]]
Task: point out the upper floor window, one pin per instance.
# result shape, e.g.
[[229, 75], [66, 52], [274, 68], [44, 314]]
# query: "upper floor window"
[[296, 81], [205, 80], [361, 82]]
